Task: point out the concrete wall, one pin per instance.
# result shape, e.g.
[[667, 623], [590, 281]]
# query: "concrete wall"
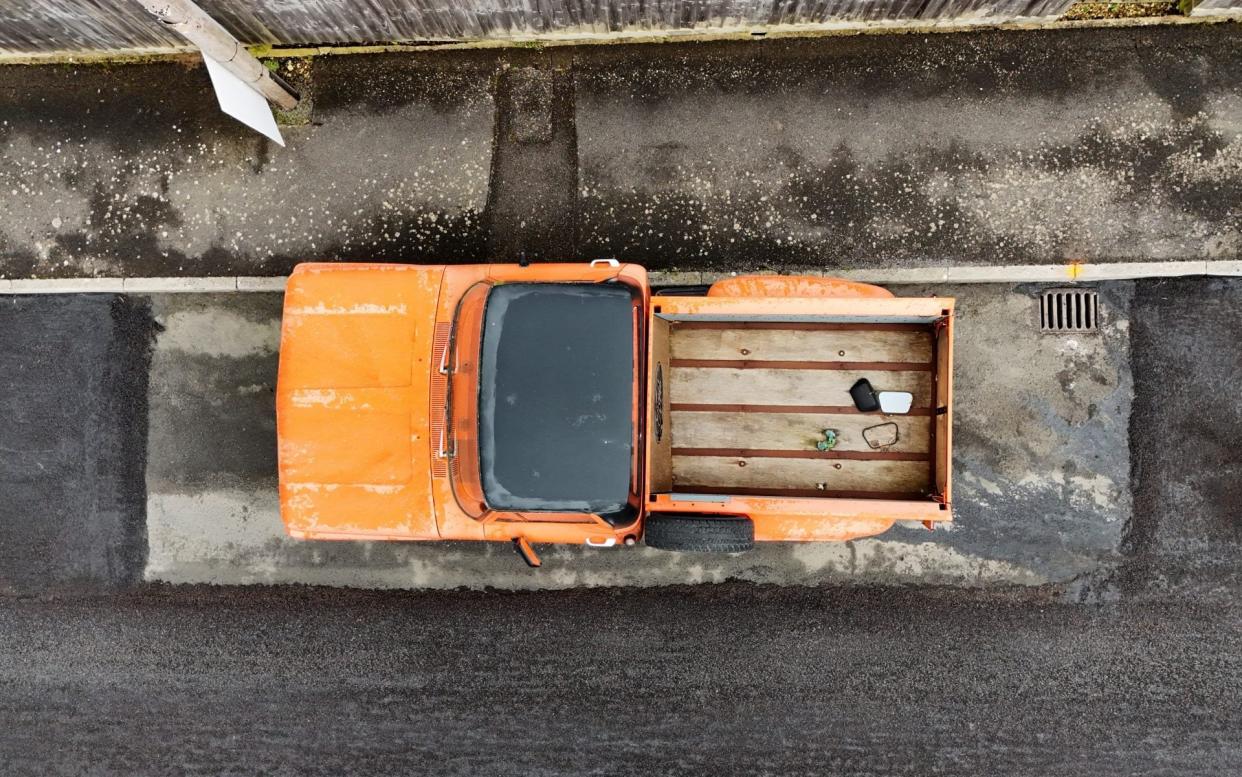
[[29, 26]]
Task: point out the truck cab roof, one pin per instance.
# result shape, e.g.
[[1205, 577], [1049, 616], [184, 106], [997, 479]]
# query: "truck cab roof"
[[556, 397]]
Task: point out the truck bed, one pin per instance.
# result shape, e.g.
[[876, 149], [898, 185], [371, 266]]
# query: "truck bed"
[[747, 402]]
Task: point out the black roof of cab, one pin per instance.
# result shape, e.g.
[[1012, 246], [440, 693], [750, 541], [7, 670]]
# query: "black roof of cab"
[[556, 385]]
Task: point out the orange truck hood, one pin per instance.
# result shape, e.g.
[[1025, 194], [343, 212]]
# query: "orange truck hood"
[[353, 403]]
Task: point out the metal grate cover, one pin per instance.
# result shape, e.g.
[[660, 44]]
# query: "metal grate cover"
[[1069, 310]]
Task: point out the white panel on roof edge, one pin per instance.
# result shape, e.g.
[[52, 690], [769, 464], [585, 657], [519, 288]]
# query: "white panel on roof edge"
[[242, 102]]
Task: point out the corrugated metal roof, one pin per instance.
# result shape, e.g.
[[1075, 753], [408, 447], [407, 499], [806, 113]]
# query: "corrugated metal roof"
[[34, 26]]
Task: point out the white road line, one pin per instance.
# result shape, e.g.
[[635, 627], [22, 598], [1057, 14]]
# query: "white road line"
[[1031, 273], [252, 283], [158, 285], [1075, 272], [64, 285]]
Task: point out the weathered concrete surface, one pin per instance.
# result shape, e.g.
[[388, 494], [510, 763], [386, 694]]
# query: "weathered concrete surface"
[[73, 404], [132, 170], [1041, 421], [534, 212], [1186, 435], [1043, 490], [978, 147], [721, 680], [1041, 467], [988, 149]]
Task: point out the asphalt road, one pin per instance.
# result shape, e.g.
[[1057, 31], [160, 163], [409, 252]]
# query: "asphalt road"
[[73, 425], [731, 679]]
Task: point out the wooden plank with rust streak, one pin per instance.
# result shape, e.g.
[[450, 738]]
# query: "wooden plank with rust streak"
[[767, 453], [797, 345], [803, 326], [794, 431], [746, 474], [695, 407], [759, 364], [901, 496], [789, 387]]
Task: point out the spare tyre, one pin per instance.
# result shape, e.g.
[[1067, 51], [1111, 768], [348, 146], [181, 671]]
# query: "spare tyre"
[[696, 533]]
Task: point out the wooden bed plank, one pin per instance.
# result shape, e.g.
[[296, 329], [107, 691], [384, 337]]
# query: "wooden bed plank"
[[761, 453], [901, 496], [803, 474], [721, 407], [794, 431], [943, 429], [710, 385], [762, 364], [799, 345]]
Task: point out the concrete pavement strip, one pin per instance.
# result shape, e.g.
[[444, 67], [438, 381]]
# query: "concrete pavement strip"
[[1033, 273], [1041, 461], [1044, 438], [983, 148]]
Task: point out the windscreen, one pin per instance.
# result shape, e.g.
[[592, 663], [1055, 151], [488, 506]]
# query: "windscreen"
[[556, 385]]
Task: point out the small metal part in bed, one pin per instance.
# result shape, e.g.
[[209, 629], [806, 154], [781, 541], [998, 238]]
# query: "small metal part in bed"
[[881, 435]]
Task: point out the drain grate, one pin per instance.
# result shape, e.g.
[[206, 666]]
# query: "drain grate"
[[1069, 310]]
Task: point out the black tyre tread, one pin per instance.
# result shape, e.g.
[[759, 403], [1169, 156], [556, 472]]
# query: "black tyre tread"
[[691, 533]]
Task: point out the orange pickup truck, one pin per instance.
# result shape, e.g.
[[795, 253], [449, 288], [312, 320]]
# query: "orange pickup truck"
[[567, 403]]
